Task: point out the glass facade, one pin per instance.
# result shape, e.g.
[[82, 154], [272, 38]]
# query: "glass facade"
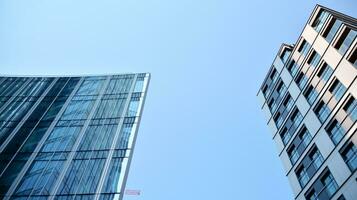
[[68, 137]]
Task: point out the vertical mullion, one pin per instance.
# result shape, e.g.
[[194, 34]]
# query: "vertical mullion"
[[78, 140], [15, 94], [111, 151], [23, 120], [32, 130], [3, 79], [39, 146], [134, 133]]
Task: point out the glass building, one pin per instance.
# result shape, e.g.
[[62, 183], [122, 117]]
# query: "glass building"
[[309, 98], [68, 137]]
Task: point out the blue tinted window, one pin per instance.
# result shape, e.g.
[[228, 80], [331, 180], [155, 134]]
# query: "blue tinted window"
[[320, 20], [349, 155], [337, 89], [304, 47], [314, 59], [351, 108], [345, 40], [293, 68], [311, 94], [322, 111], [332, 29], [301, 80], [325, 72]]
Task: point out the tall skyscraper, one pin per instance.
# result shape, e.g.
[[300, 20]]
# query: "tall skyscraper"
[[68, 137], [309, 98]]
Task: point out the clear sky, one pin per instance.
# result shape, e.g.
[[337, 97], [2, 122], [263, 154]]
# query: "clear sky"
[[202, 134]]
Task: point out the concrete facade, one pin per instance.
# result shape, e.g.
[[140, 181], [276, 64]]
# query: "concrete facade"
[[309, 100]]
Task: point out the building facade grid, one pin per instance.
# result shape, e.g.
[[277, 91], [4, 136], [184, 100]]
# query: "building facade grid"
[[68, 137], [309, 99]]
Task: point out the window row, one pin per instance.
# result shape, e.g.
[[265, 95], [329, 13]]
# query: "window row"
[[269, 83], [322, 109], [309, 166], [323, 188], [276, 96], [345, 37], [291, 125], [337, 128], [299, 144]]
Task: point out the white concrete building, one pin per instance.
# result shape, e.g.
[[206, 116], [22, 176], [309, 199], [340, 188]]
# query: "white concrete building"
[[309, 98]]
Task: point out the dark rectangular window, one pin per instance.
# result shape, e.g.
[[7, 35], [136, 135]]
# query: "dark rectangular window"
[[265, 89], [302, 175], [311, 57], [325, 72], [281, 88], [272, 78], [301, 80], [271, 102], [272, 105], [273, 75], [299, 144], [345, 40], [293, 154], [293, 68], [331, 29], [341, 197], [295, 120], [309, 166], [337, 89], [288, 102], [349, 155], [285, 135], [351, 108], [314, 59], [319, 20], [316, 158], [278, 120], [353, 58], [304, 47], [305, 137], [330, 184], [323, 188], [335, 131], [311, 94], [312, 195], [322, 111], [285, 55]]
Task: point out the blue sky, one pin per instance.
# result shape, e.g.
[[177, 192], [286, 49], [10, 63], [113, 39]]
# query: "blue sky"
[[202, 135]]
